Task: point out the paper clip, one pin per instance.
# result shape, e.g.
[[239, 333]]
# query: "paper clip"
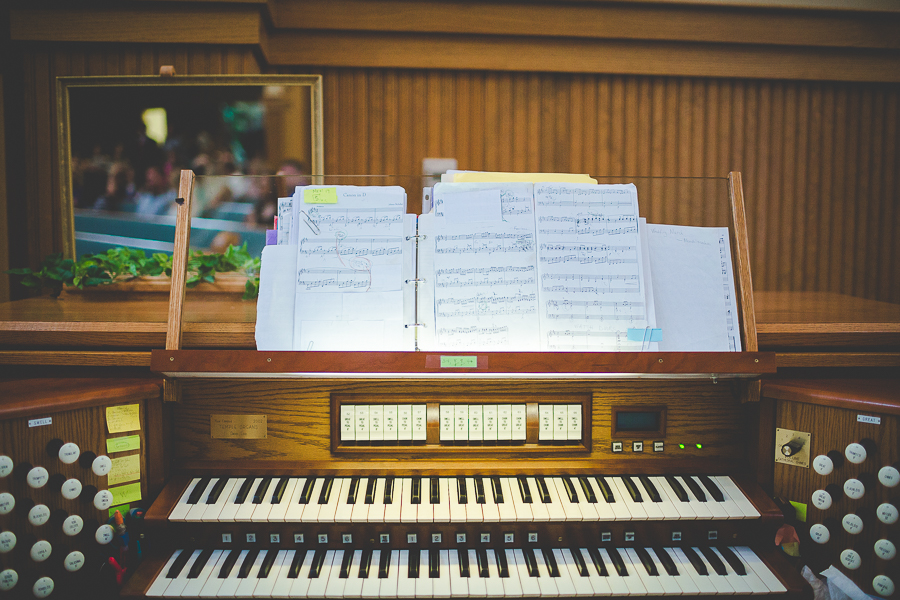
[[310, 223]]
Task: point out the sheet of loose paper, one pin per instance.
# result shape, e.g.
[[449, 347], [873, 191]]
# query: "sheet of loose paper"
[[590, 270]]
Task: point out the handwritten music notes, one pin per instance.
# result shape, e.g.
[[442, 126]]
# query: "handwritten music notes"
[[352, 258], [589, 267]]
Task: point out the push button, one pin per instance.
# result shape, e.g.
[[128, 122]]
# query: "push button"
[[819, 533], [885, 549], [851, 559]]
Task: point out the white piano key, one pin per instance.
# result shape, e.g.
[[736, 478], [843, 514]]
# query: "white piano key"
[[266, 586], [507, 508], [522, 508], [353, 584], [230, 509], [600, 583], [555, 509], [181, 508], [176, 587], [477, 584], [494, 585], [581, 583], [588, 509], [682, 579], [617, 584], [318, 585], [448, 491], [229, 585], [668, 582], [618, 508], [730, 508], [392, 511], [406, 587], [530, 585], [425, 509], [621, 492], [704, 584], [195, 585], [195, 513], [211, 511], [653, 509], [344, 511], [730, 489], [334, 586], [262, 510], [248, 584], [403, 494], [474, 511], [632, 579], [685, 509], [311, 509], [390, 584], [159, 585], [759, 567], [564, 583], [441, 584], [337, 496], [213, 582], [716, 509], [571, 509], [539, 510], [546, 583], [371, 586], [300, 585], [741, 584], [360, 511], [489, 509], [668, 509], [246, 508], [701, 509], [376, 512], [278, 513], [757, 585], [424, 588], [651, 583], [719, 581], [457, 510], [281, 587]]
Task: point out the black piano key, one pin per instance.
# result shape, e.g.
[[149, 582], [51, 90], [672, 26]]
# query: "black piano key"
[[587, 489], [365, 561], [198, 565], [713, 489], [388, 490], [384, 565], [435, 491], [647, 561], [598, 562], [632, 489], [267, 563], [354, 489], [570, 490], [479, 490], [463, 559], [650, 488], [605, 490], [617, 561], [461, 490], [198, 490], [345, 564], [325, 494], [676, 487], [543, 491], [244, 490], [552, 566], [733, 560], [315, 568], [481, 557], [502, 564], [412, 567], [416, 491], [229, 563], [696, 490], [667, 562], [278, 494], [296, 563], [244, 571], [179, 563], [714, 561], [524, 490], [579, 562], [530, 562], [217, 490], [370, 489], [498, 491], [434, 563], [696, 561], [306, 494], [259, 496]]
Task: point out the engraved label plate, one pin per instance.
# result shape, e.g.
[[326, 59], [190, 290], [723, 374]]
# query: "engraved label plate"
[[238, 427]]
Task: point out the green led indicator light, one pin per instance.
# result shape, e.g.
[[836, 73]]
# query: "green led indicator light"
[[699, 446], [681, 446]]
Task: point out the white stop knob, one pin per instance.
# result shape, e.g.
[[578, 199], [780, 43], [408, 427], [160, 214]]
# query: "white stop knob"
[[41, 551], [69, 453], [819, 533], [8, 580], [7, 503], [6, 467], [852, 524], [71, 489], [883, 585], [7, 541], [39, 514], [104, 534], [103, 500], [850, 559], [101, 465], [43, 587], [855, 453], [823, 465], [74, 561], [889, 476], [37, 477], [73, 525], [854, 489], [821, 499], [885, 549], [887, 513]]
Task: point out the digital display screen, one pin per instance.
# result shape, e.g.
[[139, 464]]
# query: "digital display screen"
[[637, 421]]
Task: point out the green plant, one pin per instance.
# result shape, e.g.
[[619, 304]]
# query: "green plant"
[[123, 264]]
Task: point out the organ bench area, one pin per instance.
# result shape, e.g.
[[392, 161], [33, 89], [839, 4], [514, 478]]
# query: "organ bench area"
[[434, 485]]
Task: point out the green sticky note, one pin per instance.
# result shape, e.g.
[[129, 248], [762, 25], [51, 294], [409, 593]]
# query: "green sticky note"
[[121, 444], [459, 362], [125, 494], [320, 195], [800, 510], [124, 509]]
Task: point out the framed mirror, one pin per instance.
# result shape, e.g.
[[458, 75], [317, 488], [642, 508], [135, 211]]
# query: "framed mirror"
[[123, 141]]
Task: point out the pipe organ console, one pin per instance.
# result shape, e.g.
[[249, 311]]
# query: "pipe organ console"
[[453, 487]]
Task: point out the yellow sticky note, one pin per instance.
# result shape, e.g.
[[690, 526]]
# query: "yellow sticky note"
[[123, 418], [800, 510], [121, 444], [326, 195], [125, 494], [126, 468]]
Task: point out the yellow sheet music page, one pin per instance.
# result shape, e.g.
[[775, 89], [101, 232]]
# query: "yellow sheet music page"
[[498, 177]]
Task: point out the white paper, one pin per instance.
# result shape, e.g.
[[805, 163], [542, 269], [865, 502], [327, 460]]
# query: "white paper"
[[693, 287], [468, 206], [589, 268], [285, 209], [275, 304]]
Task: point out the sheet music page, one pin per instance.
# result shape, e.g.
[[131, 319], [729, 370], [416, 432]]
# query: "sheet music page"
[[483, 294], [693, 287], [352, 258], [589, 267]]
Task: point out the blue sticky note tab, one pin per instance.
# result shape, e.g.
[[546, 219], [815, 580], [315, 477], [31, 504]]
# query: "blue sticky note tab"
[[644, 335]]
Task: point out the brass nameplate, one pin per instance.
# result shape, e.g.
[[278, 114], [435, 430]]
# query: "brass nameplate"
[[237, 427]]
